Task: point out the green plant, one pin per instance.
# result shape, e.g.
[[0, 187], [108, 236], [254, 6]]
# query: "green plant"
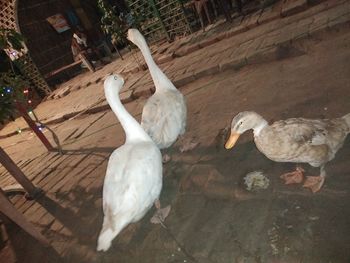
[[14, 88], [11, 91], [11, 84], [117, 26], [111, 24], [10, 38]]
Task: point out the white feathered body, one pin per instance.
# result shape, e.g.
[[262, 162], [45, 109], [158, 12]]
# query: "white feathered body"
[[133, 178], [164, 117], [133, 182]]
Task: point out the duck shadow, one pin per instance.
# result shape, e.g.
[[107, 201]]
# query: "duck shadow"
[[282, 205], [231, 166], [76, 214]]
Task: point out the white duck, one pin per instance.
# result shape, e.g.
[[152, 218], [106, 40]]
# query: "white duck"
[[133, 179], [295, 140], [164, 114]]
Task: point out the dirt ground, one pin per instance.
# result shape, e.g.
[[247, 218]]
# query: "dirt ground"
[[213, 217]]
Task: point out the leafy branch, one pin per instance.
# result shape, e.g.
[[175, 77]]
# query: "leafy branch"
[[11, 84], [10, 38], [117, 26]]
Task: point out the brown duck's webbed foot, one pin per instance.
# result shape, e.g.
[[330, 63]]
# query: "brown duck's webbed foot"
[[295, 177], [314, 183]]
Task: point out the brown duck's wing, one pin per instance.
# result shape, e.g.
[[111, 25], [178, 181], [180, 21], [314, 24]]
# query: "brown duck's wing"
[[301, 131], [312, 134], [302, 140]]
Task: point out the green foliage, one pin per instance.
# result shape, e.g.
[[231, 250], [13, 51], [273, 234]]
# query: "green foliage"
[[117, 26], [11, 84], [112, 25], [6, 108], [9, 38], [11, 90]]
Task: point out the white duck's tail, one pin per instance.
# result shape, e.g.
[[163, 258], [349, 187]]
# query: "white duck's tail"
[[105, 239], [347, 120], [110, 229]]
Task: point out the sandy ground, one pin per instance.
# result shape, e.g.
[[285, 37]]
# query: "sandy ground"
[[213, 217]]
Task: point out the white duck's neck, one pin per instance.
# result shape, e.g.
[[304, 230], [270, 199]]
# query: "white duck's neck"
[[132, 128], [160, 80], [261, 124]]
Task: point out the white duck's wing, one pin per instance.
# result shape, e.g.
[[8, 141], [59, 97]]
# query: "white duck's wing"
[[133, 181], [164, 117]]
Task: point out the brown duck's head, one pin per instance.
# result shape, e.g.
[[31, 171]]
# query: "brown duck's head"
[[241, 123]]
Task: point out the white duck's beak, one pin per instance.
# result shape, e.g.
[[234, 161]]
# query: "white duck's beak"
[[232, 140]]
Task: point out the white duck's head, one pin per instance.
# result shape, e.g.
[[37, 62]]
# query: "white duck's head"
[[115, 81], [243, 122], [136, 37], [161, 81]]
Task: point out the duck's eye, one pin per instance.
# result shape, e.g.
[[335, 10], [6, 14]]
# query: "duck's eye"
[[115, 78], [240, 123]]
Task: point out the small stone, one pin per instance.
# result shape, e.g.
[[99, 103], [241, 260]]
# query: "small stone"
[[188, 146], [166, 158], [314, 218]]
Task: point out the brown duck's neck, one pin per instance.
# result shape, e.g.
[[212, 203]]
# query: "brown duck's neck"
[[260, 126]]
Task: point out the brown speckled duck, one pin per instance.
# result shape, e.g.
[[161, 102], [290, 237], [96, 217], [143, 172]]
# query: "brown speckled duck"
[[296, 140]]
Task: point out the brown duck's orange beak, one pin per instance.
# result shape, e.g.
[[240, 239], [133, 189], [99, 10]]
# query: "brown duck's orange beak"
[[232, 140]]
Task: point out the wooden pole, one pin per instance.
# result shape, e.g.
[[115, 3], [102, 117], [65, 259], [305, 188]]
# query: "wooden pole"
[[7, 208], [86, 62], [116, 49], [33, 126], [14, 170]]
